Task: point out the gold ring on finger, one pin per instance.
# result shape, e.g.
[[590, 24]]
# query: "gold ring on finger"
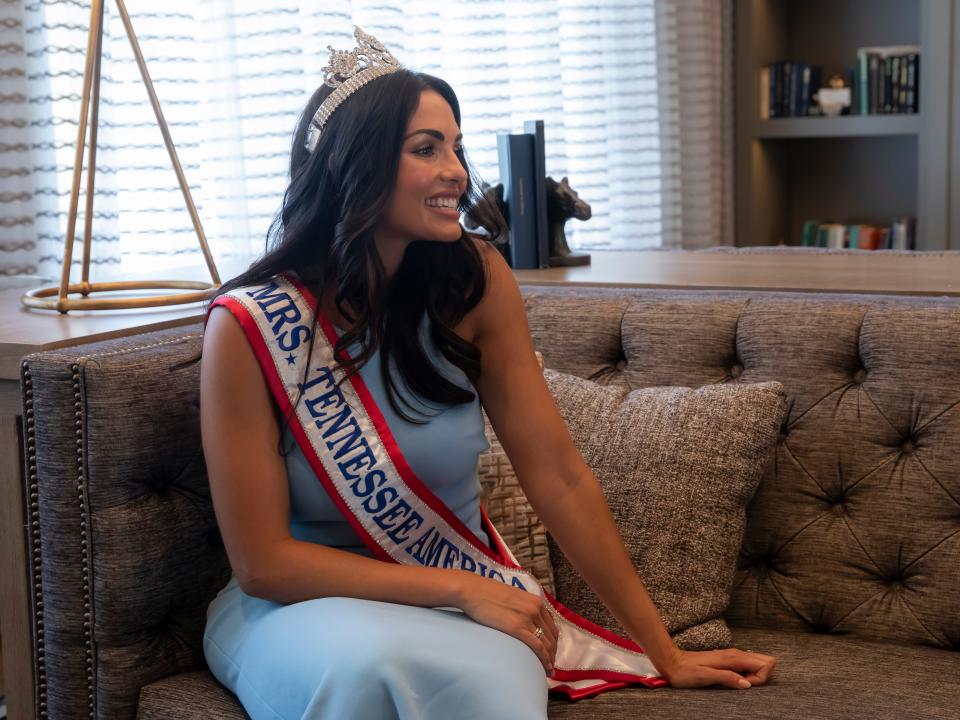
[[538, 633]]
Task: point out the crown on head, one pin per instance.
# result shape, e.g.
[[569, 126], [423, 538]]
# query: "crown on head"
[[347, 72]]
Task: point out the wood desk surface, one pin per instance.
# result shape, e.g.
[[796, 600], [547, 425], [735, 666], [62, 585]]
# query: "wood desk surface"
[[23, 331], [919, 274]]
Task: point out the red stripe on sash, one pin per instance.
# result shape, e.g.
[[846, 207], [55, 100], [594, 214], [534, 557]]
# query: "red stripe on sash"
[[272, 377], [393, 449]]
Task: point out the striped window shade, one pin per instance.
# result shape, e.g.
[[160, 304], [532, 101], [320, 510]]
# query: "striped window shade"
[[232, 76]]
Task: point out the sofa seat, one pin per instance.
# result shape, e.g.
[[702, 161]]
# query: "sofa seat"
[[819, 677]]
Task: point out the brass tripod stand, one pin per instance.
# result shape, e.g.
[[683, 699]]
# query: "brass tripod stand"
[[43, 298]]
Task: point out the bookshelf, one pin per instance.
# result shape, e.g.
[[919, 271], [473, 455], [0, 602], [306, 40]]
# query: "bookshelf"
[[851, 168]]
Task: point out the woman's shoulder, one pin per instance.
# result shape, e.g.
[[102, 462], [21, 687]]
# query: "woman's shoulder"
[[500, 292]]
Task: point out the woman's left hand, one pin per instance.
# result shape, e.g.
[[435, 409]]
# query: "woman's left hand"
[[731, 668]]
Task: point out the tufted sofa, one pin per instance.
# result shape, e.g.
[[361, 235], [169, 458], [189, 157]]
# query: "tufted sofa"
[[849, 571]]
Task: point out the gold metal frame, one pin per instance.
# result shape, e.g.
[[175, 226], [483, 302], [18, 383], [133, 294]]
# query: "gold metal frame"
[[42, 298]]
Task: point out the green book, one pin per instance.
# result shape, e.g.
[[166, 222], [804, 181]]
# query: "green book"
[[809, 236]]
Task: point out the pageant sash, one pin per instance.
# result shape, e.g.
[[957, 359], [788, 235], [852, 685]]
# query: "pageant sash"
[[344, 437]]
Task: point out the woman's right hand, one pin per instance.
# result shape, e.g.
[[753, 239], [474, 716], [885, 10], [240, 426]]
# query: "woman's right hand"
[[510, 610]]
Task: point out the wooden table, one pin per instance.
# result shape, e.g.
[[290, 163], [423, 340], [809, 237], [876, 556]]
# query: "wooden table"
[[916, 274], [22, 332]]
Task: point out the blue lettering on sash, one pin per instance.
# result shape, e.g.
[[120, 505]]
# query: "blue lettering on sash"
[[397, 532], [286, 314], [352, 467], [348, 442], [324, 375], [379, 500], [362, 487], [416, 550], [290, 340]]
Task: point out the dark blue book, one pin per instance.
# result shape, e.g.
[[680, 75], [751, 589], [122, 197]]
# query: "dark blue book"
[[796, 89], [515, 154], [816, 77], [774, 89], [786, 73], [535, 128]]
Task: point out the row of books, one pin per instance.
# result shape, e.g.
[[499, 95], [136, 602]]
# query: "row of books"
[[522, 162], [787, 89], [899, 235], [884, 80]]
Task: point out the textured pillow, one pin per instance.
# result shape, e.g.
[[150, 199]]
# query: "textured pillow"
[[678, 467]]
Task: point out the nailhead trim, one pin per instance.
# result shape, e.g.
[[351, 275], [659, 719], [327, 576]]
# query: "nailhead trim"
[[85, 560], [33, 547]]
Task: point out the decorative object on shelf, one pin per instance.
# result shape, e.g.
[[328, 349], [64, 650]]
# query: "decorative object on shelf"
[[58, 298], [564, 203], [834, 99]]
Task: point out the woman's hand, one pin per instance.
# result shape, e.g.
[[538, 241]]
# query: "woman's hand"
[[731, 668], [510, 610]]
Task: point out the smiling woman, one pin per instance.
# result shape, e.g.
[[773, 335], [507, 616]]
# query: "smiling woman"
[[341, 388], [431, 179]]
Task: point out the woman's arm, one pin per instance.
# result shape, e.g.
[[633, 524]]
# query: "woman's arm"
[[248, 484], [566, 495]]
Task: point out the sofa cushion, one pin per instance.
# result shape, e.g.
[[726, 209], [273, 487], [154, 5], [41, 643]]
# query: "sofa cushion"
[[189, 696], [678, 467], [818, 677]]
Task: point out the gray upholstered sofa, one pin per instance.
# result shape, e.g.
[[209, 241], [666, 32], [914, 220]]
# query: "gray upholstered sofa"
[[849, 572]]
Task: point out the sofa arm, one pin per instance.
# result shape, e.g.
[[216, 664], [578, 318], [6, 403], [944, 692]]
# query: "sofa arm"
[[124, 551]]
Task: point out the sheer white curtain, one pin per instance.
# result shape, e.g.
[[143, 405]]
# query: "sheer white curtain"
[[634, 96]]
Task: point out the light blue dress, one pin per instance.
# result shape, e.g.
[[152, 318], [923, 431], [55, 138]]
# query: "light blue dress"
[[348, 659]]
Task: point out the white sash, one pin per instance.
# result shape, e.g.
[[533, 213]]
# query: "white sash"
[[344, 437]]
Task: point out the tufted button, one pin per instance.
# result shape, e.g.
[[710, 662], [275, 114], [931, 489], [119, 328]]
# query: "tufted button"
[[908, 446], [839, 507], [620, 365], [859, 376], [736, 371]]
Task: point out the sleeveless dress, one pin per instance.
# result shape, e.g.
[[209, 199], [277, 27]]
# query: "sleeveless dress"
[[340, 658]]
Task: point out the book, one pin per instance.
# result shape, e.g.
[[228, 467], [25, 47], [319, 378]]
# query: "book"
[[853, 236], [774, 89], [913, 76], [535, 128], [796, 89], [763, 98], [879, 84], [816, 75], [895, 84], [902, 84], [515, 155], [863, 76], [809, 236], [836, 235], [874, 89], [853, 81]]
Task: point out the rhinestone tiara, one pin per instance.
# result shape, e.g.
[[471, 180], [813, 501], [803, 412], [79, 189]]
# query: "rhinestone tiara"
[[347, 72]]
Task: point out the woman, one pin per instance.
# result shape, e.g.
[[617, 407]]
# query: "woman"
[[425, 323]]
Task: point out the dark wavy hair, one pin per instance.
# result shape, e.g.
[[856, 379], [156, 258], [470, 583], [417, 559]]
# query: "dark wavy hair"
[[324, 232]]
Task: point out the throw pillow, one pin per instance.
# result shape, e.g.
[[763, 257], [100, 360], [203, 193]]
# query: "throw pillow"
[[678, 467]]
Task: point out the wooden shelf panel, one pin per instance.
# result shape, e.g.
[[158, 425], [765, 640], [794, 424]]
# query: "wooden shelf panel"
[[842, 126]]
